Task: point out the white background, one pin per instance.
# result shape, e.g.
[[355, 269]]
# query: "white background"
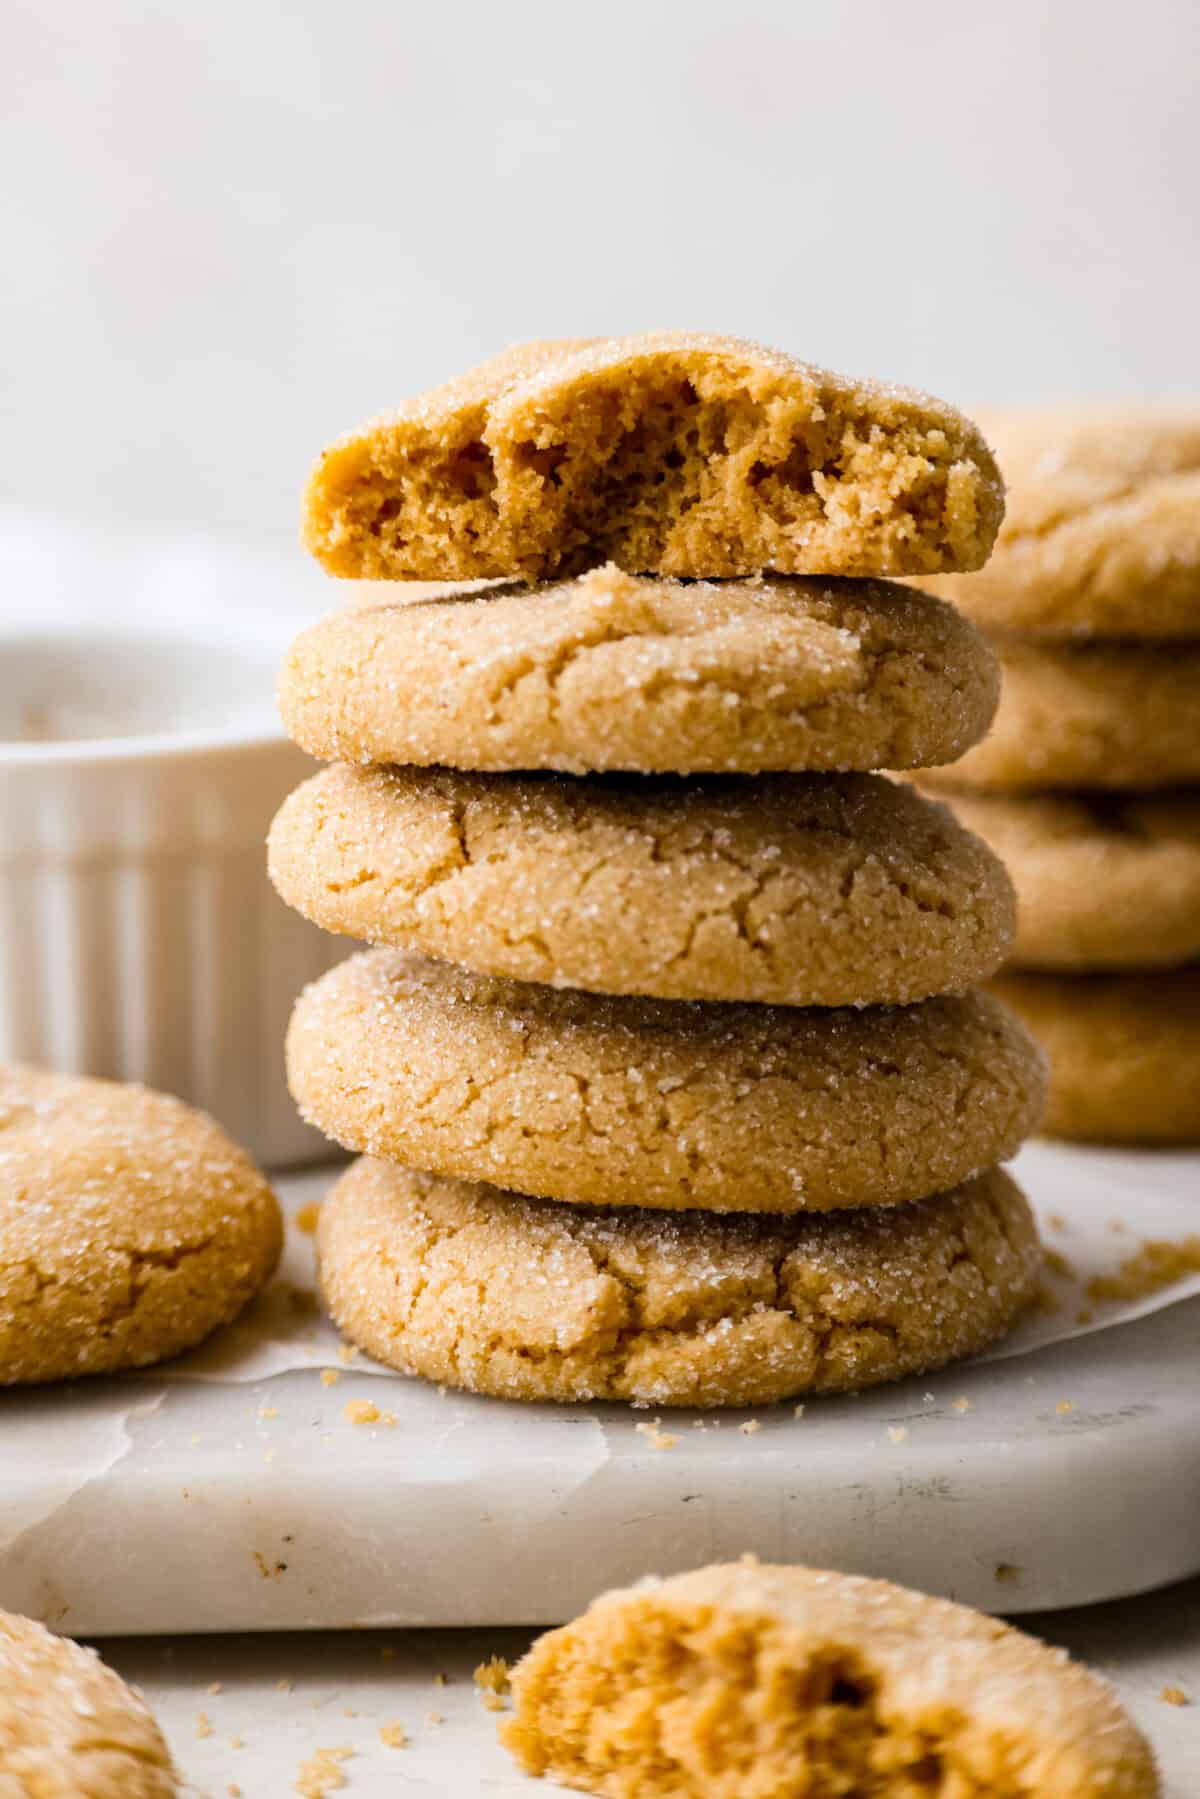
[[236, 228]]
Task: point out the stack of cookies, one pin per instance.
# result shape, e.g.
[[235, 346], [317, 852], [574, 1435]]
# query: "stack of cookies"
[[1089, 784], [670, 1076]]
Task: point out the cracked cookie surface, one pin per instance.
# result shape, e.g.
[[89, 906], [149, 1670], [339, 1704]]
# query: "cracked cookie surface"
[[671, 453], [69, 1727], [1101, 537], [780, 1682], [670, 1104], [529, 1299], [797, 889], [1124, 1051], [614, 671], [1090, 715], [1104, 881], [130, 1226]]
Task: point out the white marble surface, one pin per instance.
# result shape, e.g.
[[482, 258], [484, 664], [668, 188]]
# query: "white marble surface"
[[285, 1696]]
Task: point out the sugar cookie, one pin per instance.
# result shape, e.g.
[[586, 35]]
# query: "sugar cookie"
[[614, 671], [782, 1681], [799, 889], [1102, 533], [661, 1103], [1124, 1052], [528, 1299], [130, 1227], [69, 1727], [1096, 715], [671, 453], [1103, 880]]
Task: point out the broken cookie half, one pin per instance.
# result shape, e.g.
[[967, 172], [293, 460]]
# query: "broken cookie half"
[[749, 1682], [668, 453]]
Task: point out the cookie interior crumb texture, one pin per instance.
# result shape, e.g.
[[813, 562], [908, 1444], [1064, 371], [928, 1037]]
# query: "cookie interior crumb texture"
[[615, 671], [130, 1226], [800, 889], [672, 453], [527, 1299], [749, 1682], [69, 1727], [676, 1104]]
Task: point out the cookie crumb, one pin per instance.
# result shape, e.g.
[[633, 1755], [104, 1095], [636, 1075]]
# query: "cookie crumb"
[[1058, 1265], [322, 1772], [492, 1676], [797, 1411], [657, 1439], [1087, 1316], [236, 1742], [330, 1377], [283, 1686], [203, 1725], [961, 1404], [1064, 1406], [307, 1217], [434, 1718], [268, 1411], [393, 1736], [440, 1679], [214, 1687], [346, 1353], [897, 1433], [750, 1428], [1155, 1264], [361, 1411], [1057, 1222], [1174, 1696]]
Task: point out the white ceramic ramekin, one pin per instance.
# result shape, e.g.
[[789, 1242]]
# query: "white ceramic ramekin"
[[139, 936]]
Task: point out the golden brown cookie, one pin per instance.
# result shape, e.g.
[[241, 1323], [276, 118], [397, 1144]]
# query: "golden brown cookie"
[[527, 1299], [1124, 1052], [69, 1728], [130, 1227], [1103, 880], [777, 1682], [669, 453], [663, 1103], [1102, 533], [615, 672], [821, 890], [1094, 715]]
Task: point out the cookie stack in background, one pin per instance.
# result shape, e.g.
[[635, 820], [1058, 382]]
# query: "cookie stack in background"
[[671, 1079], [1088, 786]]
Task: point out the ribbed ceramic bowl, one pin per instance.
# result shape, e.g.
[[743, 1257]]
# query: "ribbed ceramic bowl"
[[139, 936]]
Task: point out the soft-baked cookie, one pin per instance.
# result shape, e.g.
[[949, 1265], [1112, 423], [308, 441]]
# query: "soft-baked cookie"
[[662, 1103], [1124, 1051], [69, 1727], [1103, 880], [613, 671], [672, 453], [130, 1226], [1101, 537], [528, 1299], [755, 1682], [1093, 715], [800, 889]]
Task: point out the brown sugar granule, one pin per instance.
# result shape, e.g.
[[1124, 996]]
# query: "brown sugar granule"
[[671, 452], [1155, 1264]]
